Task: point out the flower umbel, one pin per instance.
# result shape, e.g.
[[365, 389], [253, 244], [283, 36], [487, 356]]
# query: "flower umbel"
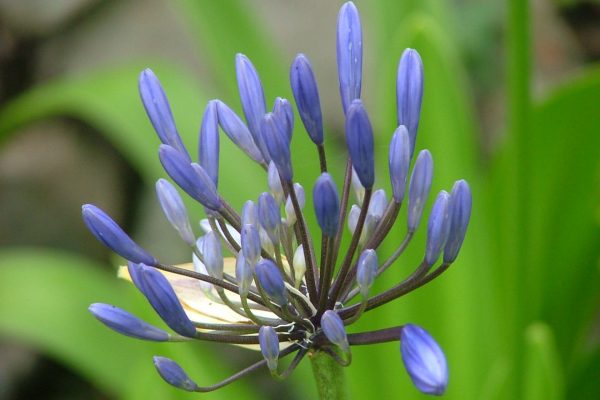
[[258, 278]]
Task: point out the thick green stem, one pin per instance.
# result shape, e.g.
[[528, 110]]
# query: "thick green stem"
[[329, 376]]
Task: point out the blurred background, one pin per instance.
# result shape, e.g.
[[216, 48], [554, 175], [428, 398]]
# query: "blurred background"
[[512, 104]]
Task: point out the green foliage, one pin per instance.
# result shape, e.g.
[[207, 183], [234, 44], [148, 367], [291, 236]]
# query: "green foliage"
[[514, 314]]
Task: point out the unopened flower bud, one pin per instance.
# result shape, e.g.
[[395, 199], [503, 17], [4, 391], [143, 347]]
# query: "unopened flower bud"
[[269, 346], [270, 279], [112, 236], [127, 324], [173, 374], [424, 360]]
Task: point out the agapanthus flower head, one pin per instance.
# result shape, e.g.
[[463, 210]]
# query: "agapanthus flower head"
[[257, 277]]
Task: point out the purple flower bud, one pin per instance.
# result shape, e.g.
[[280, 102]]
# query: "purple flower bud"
[[162, 298], [249, 214], [359, 139], [418, 189], [190, 177], [289, 206], [127, 324], [353, 217], [175, 211], [173, 374], [459, 211], [275, 183], [366, 271], [437, 228], [409, 93], [112, 236], [327, 204], [377, 205], [269, 216], [158, 110], [270, 279], [251, 243], [208, 151], [285, 117], [306, 94], [333, 328], [212, 254], [269, 346], [349, 54], [238, 132], [424, 360], [400, 153], [243, 274], [277, 145], [252, 97]]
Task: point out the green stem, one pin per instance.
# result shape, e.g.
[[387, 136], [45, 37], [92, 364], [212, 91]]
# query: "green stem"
[[329, 376]]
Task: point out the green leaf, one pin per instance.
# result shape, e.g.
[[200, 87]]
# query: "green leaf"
[[564, 192], [544, 378], [224, 28], [109, 101]]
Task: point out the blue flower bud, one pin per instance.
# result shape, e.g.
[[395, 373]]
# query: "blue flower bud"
[[269, 216], [375, 212], [400, 153], [359, 139], [377, 205], [353, 217], [212, 254], [409, 93], [285, 117], [162, 298], [269, 346], [238, 132], [327, 204], [333, 328], [175, 211], [366, 271], [459, 212], [249, 214], [173, 374], [418, 189], [208, 151], [299, 265], [306, 94], [349, 54], [437, 228], [190, 177], [252, 97], [199, 267], [270, 279], [127, 324], [112, 236], [251, 243], [424, 360], [243, 274], [275, 183], [277, 145], [158, 110], [290, 213]]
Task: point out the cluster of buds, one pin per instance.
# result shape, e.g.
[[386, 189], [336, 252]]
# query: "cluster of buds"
[[276, 291]]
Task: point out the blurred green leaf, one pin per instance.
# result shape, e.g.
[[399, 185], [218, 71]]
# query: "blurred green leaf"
[[224, 28], [544, 376], [565, 237], [109, 102]]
